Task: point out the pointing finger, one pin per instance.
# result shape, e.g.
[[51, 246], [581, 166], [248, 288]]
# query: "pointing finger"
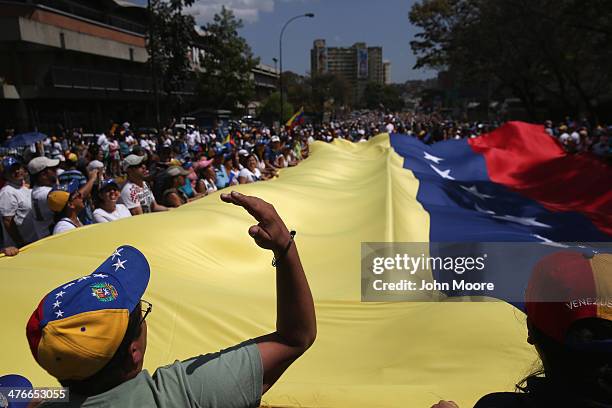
[[251, 204]]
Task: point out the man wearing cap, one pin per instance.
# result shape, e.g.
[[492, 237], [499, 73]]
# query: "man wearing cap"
[[91, 333], [85, 184], [223, 179], [43, 176], [136, 194], [16, 205], [71, 172], [173, 179], [272, 152], [66, 201]]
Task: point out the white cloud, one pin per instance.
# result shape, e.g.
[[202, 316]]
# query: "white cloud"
[[247, 10]]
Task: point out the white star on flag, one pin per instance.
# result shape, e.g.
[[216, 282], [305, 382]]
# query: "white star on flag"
[[59, 294], [56, 304], [474, 191], [482, 210], [82, 278], [528, 221], [549, 242], [432, 158], [116, 253], [119, 264], [68, 285], [444, 174], [99, 275], [59, 313]]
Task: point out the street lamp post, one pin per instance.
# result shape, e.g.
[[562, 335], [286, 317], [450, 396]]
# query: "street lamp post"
[[153, 59], [280, 57]]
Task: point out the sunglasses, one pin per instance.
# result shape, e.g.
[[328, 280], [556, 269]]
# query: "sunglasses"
[[145, 309]]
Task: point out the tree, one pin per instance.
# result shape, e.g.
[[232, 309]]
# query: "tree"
[[328, 92], [270, 107], [385, 97], [171, 33], [537, 49], [373, 95], [228, 61], [298, 91]]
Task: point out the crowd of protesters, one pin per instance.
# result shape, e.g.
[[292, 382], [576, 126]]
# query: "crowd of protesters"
[[71, 179]]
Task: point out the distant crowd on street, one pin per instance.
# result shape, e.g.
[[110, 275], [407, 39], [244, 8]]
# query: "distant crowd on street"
[[72, 178]]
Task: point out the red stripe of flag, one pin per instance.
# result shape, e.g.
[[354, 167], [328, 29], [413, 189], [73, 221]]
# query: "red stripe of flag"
[[526, 159]]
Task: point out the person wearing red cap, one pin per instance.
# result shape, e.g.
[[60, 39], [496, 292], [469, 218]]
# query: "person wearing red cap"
[[569, 321], [91, 333]]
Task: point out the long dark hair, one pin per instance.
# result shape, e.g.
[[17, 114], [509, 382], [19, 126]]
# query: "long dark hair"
[[579, 370]]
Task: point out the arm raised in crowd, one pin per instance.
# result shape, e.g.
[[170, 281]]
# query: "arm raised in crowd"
[[296, 326], [92, 177]]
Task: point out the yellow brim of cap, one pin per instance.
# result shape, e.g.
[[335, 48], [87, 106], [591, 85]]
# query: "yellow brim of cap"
[[57, 200]]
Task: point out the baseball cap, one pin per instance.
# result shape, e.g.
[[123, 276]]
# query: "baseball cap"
[[72, 157], [275, 139], [203, 163], [95, 165], [108, 183], [132, 160], [10, 161], [78, 327], [38, 164], [59, 195], [174, 171], [568, 286], [243, 152]]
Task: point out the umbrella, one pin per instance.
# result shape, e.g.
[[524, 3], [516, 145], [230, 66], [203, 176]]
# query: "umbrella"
[[24, 139]]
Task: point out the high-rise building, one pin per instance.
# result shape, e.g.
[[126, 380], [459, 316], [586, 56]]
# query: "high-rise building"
[[358, 64], [387, 72]]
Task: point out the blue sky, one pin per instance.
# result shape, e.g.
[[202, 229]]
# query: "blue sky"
[[340, 22]]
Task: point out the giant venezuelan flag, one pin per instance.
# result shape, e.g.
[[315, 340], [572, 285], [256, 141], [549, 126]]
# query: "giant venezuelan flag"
[[212, 287]]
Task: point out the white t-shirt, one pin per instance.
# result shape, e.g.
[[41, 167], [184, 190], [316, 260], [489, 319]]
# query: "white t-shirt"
[[190, 139], [121, 211], [389, 128], [43, 216], [210, 186], [17, 202], [63, 225], [249, 175], [132, 196], [103, 142], [261, 165]]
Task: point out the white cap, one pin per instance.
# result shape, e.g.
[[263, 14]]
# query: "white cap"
[[38, 164], [132, 160], [243, 152], [95, 165], [275, 139]]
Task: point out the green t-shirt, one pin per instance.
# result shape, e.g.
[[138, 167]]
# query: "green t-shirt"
[[229, 378]]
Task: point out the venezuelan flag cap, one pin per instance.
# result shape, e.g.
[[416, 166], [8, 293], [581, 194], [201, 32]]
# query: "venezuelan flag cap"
[[569, 286], [77, 328], [60, 195]]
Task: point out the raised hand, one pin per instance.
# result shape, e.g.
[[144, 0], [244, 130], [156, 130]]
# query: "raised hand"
[[270, 232]]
